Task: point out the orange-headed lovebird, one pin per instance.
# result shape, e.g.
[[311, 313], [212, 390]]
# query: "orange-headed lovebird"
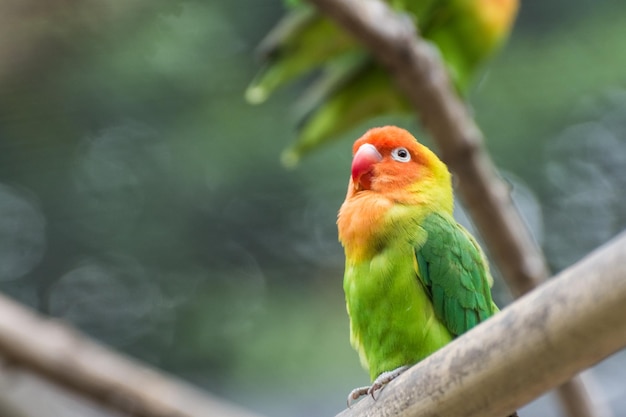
[[414, 278]]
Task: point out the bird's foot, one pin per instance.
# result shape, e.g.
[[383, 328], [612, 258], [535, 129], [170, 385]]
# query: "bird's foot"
[[385, 378], [378, 384]]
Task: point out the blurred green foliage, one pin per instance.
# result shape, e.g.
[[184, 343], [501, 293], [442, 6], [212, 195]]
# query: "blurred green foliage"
[[143, 200]]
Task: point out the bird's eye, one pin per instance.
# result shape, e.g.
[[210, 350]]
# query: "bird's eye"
[[401, 155]]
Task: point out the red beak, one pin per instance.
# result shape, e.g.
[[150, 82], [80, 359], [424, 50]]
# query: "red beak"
[[363, 164]]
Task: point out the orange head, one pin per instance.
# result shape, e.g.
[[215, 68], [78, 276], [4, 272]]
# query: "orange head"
[[390, 161]]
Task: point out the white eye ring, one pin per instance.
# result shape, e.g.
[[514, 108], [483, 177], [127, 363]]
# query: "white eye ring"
[[401, 154]]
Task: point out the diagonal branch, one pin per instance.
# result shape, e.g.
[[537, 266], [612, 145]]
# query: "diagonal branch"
[[419, 71], [533, 345]]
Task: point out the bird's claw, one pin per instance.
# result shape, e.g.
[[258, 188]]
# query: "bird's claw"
[[378, 384], [357, 393]]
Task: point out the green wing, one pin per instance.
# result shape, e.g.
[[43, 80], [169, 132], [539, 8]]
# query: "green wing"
[[453, 269]]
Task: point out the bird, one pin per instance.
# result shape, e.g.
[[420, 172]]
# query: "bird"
[[414, 278], [349, 86]]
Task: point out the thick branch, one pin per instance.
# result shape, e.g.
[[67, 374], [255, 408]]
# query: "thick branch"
[[535, 344], [419, 72], [61, 354]]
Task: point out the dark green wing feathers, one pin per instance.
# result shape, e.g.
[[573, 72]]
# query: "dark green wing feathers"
[[454, 272]]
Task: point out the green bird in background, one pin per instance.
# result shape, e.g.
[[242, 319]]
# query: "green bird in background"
[[350, 87], [414, 278]]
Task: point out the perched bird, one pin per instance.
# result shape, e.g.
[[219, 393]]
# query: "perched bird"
[[414, 278], [350, 82]]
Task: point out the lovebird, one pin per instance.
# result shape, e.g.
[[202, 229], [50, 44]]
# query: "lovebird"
[[414, 278], [349, 87]]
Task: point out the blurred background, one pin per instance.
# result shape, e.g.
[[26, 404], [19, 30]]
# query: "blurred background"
[[143, 200]]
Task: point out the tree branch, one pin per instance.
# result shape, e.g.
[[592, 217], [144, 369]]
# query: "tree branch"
[[420, 73], [62, 355], [534, 344]]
